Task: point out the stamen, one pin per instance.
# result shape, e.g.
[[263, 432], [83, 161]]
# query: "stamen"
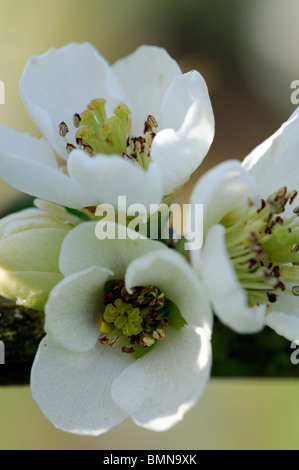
[[271, 297], [63, 129], [97, 134], [139, 317], [263, 205], [159, 334], [150, 124], [128, 350], [76, 120], [292, 194], [113, 342], [69, 148], [295, 290], [263, 248]]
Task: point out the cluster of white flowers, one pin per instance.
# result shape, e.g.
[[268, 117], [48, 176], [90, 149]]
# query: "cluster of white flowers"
[[128, 321]]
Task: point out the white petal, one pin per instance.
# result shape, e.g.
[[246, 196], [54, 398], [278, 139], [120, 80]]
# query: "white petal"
[[47, 216], [61, 82], [187, 124], [73, 389], [57, 213], [82, 249], [108, 176], [275, 162], [284, 315], [29, 164], [32, 250], [29, 265], [72, 311], [28, 288], [170, 272], [284, 324], [23, 220], [145, 76], [222, 189], [228, 298], [158, 389]]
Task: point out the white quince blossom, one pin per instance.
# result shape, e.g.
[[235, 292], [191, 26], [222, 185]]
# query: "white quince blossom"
[[121, 299], [30, 242], [158, 127], [249, 261]]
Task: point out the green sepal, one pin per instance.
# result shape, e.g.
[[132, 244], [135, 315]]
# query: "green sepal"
[[175, 319]]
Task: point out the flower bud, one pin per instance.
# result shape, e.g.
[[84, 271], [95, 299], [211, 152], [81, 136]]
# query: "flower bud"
[[30, 242]]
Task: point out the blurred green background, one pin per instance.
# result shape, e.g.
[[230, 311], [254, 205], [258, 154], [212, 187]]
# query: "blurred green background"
[[248, 53]]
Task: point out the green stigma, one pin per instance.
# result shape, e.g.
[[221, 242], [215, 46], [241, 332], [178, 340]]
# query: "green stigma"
[[98, 134], [264, 247], [137, 320], [124, 316]]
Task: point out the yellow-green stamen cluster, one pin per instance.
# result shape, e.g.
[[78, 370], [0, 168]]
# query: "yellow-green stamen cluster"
[[98, 134], [137, 320], [263, 247], [124, 316]]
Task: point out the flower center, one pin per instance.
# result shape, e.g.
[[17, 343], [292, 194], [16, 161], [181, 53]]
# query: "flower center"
[[264, 247], [136, 320], [98, 134]]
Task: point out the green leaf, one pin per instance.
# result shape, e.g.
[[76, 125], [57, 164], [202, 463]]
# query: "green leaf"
[[175, 319], [140, 351]]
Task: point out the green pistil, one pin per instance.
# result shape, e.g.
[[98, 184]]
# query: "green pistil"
[[262, 246], [98, 107], [98, 134], [139, 319], [103, 135], [124, 317]]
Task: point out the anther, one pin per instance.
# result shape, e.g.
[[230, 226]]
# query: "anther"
[[281, 192], [295, 290], [271, 297], [76, 120], [158, 334], [148, 341], [63, 129], [263, 205], [280, 285], [149, 124], [114, 341], [69, 148], [79, 141], [127, 350], [88, 149], [103, 339], [292, 194], [152, 121]]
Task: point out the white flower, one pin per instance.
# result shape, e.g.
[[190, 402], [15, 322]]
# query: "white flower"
[[249, 261], [122, 293], [61, 83], [30, 242]]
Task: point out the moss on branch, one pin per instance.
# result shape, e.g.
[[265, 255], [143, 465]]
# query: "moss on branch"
[[21, 330]]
